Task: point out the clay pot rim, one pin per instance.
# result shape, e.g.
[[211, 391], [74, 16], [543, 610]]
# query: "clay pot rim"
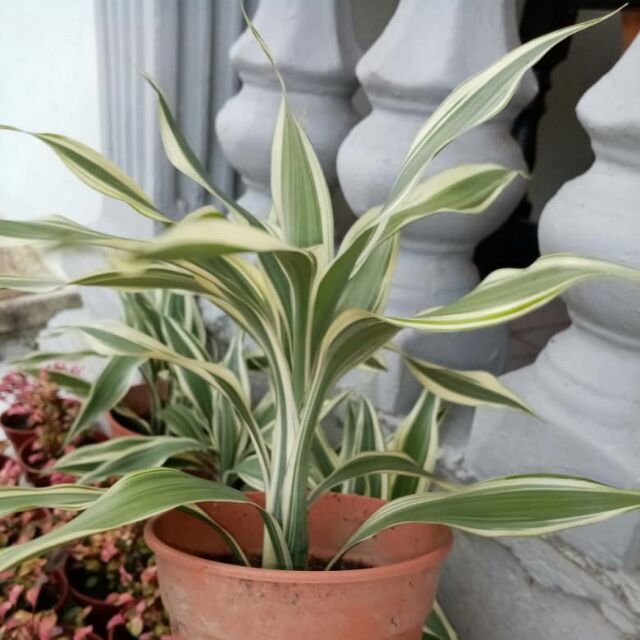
[[10, 429], [371, 574]]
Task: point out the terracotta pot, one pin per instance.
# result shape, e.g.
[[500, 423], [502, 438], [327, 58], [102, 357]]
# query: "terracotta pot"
[[14, 428], [101, 610], [211, 600], [138, 401], [33, 474]]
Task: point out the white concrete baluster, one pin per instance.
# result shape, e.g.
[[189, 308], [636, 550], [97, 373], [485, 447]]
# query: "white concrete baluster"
[[586, 386], [425, 51], [315, 49]]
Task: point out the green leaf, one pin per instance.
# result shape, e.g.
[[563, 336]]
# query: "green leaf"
[[108, 389], [368, 463], [527, 505], [437, 626], [98, 173], [475, 101], [507, 294], [299, 190], [418, 436], [137, 496], [184, 422], [72, 497], [468, 189], [470, 388], [118, 457]]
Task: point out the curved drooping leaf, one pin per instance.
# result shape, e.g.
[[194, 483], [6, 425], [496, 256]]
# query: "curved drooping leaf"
[[525, 505], [136, 497], [71, 497], [367, 463], [470, 388], [98, 172], [113, 458]]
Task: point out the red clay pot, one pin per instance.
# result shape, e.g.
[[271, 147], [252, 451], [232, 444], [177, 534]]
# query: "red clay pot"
[[14, 428], [101, 610], [137, 400], [211, 600], [33, 474]]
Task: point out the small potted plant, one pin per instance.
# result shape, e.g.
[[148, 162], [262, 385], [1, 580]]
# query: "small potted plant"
[[41, 416], [298, 558], [31, 401], [103, 568]]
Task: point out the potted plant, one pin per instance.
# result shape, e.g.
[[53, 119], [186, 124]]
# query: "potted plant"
[[46, 416], [32, 400], [105, 569], [316, 314]]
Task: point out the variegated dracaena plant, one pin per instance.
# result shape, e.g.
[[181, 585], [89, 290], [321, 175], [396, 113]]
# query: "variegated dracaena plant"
[[316, 313]]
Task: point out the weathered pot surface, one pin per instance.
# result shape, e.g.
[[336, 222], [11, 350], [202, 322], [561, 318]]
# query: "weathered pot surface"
[[211, 600]]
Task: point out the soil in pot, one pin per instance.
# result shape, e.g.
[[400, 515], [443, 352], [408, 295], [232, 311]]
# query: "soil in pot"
[[209, 600], [92, 594], [16, 428]]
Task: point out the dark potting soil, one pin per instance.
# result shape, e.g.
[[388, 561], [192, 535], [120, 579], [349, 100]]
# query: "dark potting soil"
[[48, 596], [93, 585], [16, 421], [315, 564]]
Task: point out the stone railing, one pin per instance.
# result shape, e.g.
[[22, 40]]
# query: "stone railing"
[[584, 384]]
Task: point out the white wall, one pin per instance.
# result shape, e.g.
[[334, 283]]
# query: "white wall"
[[48, 82]]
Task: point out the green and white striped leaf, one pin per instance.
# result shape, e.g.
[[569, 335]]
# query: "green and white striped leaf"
[[507, 294], [111, 339], [470, 388], [468, 189], [437, 626], [369, 463], [108, 389], [418, 436], [185, 422], [511, 506], [59, 231], [71, 497], [30, 284], [97, 462], [465, 189], [98, 172], [137, 496], [300, 194], [475, 101]]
